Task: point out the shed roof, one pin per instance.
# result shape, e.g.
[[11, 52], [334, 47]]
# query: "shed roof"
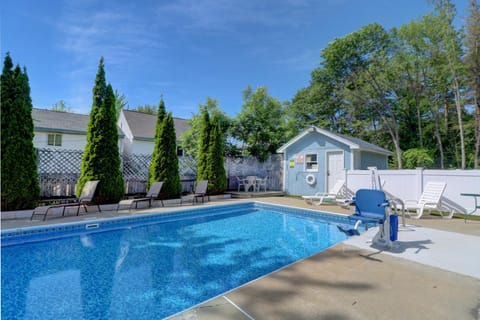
[[143, 125], [351, 142]]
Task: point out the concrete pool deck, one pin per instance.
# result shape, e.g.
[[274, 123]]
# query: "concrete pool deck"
[[432, 274]]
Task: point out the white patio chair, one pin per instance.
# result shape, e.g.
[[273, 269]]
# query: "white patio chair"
[[240, 183], [333, 197], [262, 183], [430, 199], [250, 182]]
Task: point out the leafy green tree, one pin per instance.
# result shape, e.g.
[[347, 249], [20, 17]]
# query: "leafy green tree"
[[61, 106], [317, 105], [472, 61], [417, 157], [420, 60], [455, 70], [190, 137], [360, 66], [260, 125], [101, 159], [164, 165], [147, 108], [402, 89], [120, 102], [20, 187]]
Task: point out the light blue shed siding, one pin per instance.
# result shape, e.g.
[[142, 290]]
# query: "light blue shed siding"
[[312, 143], [370, 159]]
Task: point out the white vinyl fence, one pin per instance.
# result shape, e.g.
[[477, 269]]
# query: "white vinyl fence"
[[408, 184]]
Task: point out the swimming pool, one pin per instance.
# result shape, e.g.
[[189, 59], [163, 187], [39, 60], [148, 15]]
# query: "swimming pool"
[[154, 265]]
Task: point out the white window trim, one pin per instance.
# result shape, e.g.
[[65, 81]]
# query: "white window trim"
[[305, 162], [54, 139]]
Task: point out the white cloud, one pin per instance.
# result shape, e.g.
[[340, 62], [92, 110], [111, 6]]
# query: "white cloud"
[[219, 16], [112, 31], [303, 61]]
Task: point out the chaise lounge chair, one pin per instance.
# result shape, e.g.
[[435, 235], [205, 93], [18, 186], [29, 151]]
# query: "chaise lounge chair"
[[152, 194], [333, 197], [431, 198], [200, 192], [86, 198]]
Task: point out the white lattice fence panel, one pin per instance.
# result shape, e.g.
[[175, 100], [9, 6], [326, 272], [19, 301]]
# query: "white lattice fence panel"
[[250, 166], [59, 171]]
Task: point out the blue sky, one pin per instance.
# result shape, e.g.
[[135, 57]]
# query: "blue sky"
[[185, 50]]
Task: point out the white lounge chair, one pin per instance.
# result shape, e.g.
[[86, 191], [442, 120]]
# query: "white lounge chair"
[[332, 197], [431, 198]]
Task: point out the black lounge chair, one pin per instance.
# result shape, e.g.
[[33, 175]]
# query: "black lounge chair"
[[86, 198], [200, 192], [152, 194]]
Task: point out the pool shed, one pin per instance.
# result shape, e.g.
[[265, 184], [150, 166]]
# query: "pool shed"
[[316, 158]]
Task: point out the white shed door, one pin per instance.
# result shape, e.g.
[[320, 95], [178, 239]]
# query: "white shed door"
[[335, 166]]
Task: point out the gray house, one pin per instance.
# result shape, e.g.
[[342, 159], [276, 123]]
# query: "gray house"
[[139, 129], [317, 158], [68, 131], [59, 130]]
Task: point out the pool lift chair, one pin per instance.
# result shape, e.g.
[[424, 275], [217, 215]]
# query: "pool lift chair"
[[372, 207]]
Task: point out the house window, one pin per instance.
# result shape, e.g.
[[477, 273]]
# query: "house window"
[[54, 140], [311, 162]]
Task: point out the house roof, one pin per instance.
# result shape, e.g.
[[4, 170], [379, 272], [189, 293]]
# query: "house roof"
[[56, 121], [63, 122], [143, 125], [353, 143]]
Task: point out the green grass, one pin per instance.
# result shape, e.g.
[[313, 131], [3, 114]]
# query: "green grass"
[[458, 216], [433, 213]]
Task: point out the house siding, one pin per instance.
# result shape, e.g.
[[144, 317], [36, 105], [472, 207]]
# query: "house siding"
[[69, 141], [142, 147]]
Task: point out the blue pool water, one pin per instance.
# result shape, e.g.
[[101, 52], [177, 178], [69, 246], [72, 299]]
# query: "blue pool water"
[[154, 270]]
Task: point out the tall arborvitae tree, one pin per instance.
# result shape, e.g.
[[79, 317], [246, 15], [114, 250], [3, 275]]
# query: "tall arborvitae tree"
[[216, 175], [203, 143], [20, 187], [164, 166], [155, 173], [101, 159]]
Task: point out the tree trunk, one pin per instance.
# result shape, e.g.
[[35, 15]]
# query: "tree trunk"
[[477, 131], [458, 106], [438, 136]]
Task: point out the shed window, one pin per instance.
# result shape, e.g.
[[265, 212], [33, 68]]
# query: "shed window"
[[311, 162], [54, 140]]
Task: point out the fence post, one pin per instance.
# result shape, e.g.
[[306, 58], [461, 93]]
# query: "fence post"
[[419, 181]]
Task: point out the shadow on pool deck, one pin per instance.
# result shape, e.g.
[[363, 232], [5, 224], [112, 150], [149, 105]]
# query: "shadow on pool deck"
[[343, 282]]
